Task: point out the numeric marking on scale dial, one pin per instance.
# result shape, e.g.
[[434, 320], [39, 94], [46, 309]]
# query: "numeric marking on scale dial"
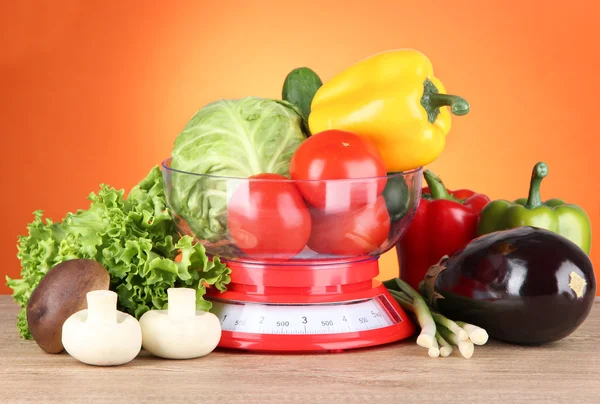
[[301, 319]]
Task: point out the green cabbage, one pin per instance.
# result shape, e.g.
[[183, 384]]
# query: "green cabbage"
[[231, 138], [135, 239]]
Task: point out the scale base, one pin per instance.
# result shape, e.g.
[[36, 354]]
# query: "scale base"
[[370, 318], [314, 344]]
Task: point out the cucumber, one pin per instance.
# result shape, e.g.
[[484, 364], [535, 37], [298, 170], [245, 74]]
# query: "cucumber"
[[397, 197], [299, 88]]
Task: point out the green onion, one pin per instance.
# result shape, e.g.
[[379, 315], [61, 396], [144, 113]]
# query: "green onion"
[[445, 347], [421, 310], [451, 325], [438, 333], [477, 335], [434, 350], [466, 348]]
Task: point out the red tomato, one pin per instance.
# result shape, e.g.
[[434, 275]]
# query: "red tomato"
[[268, 218], [336, 154], [354, 232]]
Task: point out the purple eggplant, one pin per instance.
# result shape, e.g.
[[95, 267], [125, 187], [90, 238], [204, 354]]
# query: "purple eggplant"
[[525, 285]]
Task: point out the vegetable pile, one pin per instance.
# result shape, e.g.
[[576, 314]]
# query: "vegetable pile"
[[135, 239], [447, 221], [526, 286], [308, 137], [471, 268], [520, 270]]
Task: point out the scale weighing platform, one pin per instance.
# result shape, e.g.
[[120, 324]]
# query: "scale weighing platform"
[[313, 306]]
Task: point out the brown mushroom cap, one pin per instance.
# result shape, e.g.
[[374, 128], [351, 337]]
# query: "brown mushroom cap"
[[60, 293]]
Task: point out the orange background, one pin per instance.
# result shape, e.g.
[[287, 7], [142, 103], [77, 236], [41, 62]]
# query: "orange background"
[[97, 91]]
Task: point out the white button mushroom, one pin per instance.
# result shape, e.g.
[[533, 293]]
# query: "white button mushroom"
[[181, 331], [101, 335]]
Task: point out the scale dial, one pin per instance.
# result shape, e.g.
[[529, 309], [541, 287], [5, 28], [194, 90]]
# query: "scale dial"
[[305, 319]]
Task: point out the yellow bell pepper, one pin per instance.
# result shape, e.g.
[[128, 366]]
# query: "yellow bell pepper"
[[394, 99]]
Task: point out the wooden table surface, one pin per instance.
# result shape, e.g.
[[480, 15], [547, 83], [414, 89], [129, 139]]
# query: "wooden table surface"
[[564, 372]]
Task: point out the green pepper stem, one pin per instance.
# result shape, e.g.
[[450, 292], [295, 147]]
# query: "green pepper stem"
[[436, 187], [539, 172], [458, 105]]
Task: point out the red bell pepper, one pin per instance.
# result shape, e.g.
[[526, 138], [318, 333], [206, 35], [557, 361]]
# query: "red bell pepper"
[[445, 221]]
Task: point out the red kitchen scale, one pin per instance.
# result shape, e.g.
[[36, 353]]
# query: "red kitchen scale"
[[311, 302], [308, 307]]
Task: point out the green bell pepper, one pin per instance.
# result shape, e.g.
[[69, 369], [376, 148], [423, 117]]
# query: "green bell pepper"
[[555, 215]]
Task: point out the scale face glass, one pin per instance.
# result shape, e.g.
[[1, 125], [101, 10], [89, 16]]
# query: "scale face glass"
[[305, 319]]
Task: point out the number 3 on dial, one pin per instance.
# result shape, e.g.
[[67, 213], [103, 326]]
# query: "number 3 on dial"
[[304, 320]]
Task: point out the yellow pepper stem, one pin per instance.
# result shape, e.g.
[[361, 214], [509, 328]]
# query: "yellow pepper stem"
[[458, 105], [432, 101]]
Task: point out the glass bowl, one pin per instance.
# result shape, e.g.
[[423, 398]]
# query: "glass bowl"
[[274, 219]]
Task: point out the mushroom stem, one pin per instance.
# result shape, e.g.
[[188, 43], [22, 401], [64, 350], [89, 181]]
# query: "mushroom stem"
[[182, 302], [102, 307]]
